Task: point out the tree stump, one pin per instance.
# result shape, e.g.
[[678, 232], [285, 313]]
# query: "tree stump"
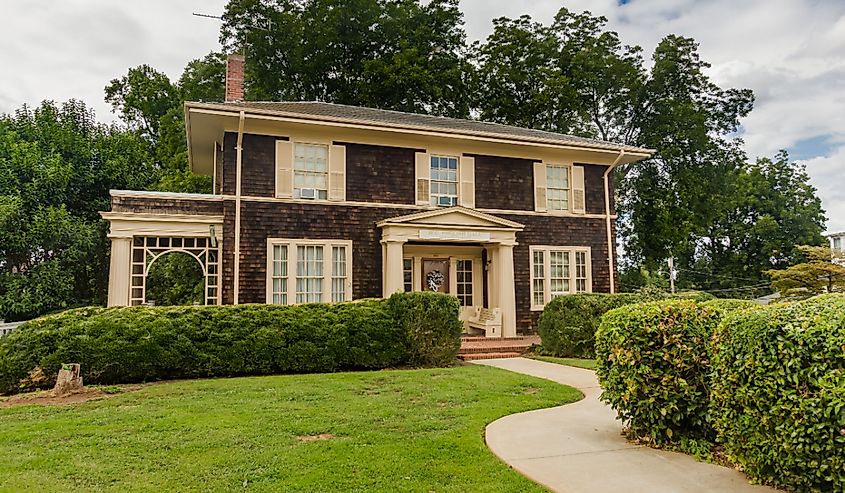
[[69, 380]]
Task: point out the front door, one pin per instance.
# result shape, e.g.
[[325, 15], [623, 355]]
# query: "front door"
[[435, 275]]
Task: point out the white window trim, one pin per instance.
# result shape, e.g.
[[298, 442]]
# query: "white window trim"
[[568, 168], [457, 158], [293, 170], [570, 250], [292, 245]]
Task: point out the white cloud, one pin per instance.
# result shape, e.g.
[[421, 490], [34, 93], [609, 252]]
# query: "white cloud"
[[790, 52]]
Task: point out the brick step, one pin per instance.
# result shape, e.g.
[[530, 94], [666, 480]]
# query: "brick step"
[[493, 349], [478, 356]]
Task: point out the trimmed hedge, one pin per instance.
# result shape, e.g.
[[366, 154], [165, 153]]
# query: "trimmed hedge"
[[568, 324], [728, 305], [779, 392], [137, 344], [653, 367], [431, 325]]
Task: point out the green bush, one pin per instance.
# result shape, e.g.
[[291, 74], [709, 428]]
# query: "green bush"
[[779, 392], [125, 345], [653, 366], [728, 305], [568, 324], [430, 322]]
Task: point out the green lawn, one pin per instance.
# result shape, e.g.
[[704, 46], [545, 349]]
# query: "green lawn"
[[404, 430], [589, 364]]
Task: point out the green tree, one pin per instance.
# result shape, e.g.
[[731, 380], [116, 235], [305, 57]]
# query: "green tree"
[[147, 100], [821, 271], [175, 279], [402, 55], [57, 166]]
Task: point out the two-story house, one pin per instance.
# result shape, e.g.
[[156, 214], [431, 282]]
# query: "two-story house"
[[318, 202]]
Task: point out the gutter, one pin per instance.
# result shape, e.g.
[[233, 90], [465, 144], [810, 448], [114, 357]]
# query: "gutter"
[[239, 160], [608, 224]]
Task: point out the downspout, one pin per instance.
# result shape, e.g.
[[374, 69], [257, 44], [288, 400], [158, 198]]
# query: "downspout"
[[607, 219], [238, 161]]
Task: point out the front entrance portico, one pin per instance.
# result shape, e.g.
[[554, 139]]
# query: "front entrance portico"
[[453, 250]]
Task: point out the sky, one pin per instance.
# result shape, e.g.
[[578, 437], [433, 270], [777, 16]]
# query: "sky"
[[791, 53]]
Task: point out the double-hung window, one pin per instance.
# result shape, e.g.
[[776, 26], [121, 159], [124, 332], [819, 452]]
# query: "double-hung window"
[[558, 271], [309, 271], [310, 171], [444, 181], [557, 187]]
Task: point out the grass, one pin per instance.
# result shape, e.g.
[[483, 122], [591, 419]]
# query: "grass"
[[589, 364], [404, 430]]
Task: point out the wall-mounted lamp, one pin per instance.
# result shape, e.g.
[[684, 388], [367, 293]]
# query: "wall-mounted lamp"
[[212, 236]]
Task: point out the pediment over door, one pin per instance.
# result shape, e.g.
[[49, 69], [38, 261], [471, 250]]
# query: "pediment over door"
[[453, 216], [455, 224]]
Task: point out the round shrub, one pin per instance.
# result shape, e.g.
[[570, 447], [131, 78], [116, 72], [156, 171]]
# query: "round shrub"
[[137, 344], [568, 324], [653, 368], [779, 392], [431, 324]]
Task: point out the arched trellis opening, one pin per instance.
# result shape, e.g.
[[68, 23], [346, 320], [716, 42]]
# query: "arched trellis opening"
[[147, 249]]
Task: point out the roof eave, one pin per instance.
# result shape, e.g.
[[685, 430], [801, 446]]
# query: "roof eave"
[[641, 153]]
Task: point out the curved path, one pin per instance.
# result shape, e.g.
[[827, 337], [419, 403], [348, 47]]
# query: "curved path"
[[579, 447]]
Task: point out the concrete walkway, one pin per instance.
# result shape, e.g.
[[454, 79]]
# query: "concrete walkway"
[[579, 447]]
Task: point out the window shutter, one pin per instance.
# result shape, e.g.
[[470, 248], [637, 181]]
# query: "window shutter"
[[337, 173], [540, 187], [423, 175], [578, 200], [284, 169], [466, 196]]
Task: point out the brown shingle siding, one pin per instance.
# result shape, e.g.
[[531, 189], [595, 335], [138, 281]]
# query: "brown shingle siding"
[[164, 205], [504, 183], [379, 174]]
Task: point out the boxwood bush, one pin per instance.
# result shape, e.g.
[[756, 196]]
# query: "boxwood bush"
[[430, 324], [653, 366], [125, 345], [568, 324], [779, 392]]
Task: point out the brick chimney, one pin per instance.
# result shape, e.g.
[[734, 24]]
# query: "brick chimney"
[[234, 78]]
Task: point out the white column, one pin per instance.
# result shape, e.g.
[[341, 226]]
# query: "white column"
[[393, 278], [492, 279], [505, 289], [120, 266]]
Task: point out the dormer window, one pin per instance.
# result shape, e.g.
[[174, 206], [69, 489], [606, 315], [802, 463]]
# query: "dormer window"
[[444, 181], [310, 171]]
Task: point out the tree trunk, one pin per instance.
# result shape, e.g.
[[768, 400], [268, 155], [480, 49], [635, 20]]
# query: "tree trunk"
[[69, 380]]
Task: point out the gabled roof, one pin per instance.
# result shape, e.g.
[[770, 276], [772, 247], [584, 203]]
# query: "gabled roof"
[[372, 116], [443, 215]]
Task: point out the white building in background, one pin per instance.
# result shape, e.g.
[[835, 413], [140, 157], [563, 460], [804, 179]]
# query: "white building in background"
[[837, 241]]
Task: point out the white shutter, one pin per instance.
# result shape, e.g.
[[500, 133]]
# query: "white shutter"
[[578, 200], [284, 169], [423, 178], [466, 195], [540, 187], [337, 173]]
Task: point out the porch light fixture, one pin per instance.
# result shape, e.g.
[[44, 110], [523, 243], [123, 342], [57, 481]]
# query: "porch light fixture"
[[212, 236]]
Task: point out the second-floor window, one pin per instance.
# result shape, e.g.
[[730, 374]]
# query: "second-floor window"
[[444, 181], [310, 171], [557, 187]]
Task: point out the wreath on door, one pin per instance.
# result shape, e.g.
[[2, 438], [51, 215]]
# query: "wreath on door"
[[434, 280]]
